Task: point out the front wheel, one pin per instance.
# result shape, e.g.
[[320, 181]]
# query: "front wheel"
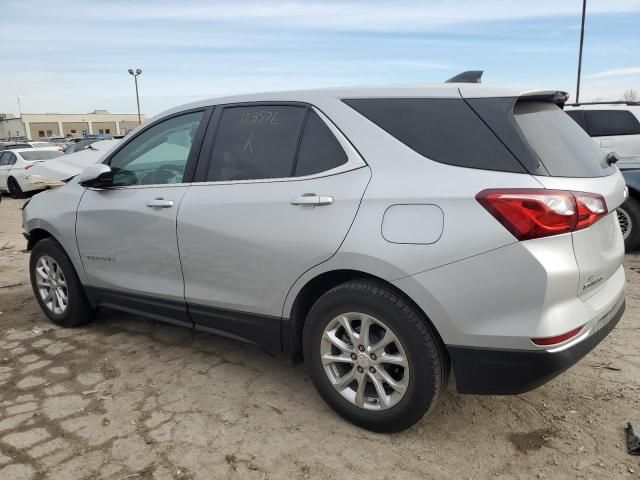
[[57, 287], [373, 357], [629, 221]]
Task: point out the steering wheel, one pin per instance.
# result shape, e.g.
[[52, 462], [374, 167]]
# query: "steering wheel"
[[124, 177], [163, 174]]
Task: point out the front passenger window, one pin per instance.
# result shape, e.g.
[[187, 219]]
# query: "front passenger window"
[[158, 155]]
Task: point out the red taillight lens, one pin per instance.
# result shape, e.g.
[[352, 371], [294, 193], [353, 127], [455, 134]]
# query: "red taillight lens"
[[555, 340], [536, 213], [28, 166], [590, 208]]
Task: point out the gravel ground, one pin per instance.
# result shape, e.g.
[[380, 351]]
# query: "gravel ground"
[[130, 398]]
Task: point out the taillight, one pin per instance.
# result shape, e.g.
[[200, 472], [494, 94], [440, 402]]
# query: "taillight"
[[536, 213], [591, 207], [28, 166]]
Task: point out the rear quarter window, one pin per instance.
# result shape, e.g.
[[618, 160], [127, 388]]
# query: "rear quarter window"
[[319, 148], [446, 130]]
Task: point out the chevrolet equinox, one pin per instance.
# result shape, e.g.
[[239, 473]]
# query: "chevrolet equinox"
[[387, 235]]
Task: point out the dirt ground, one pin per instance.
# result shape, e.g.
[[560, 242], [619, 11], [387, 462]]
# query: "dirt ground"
[[130, 398]]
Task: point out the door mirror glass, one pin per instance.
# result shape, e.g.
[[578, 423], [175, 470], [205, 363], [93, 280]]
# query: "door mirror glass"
[[97, 176]]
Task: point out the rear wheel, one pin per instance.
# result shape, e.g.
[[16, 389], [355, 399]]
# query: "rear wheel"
[[372, 356], [57, 287], [14, 188], [629, 220]]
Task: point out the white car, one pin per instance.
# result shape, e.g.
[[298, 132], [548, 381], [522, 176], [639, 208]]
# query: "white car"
[[57, 171], [614, 126], [15, 166]]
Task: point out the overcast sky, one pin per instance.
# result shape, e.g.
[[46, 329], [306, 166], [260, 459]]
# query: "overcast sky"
[[72, 57]]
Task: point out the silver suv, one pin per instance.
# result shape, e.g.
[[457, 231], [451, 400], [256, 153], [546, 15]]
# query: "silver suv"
[[386, 234]]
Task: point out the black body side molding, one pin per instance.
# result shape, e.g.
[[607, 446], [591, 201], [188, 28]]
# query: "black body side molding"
[[254, 328]]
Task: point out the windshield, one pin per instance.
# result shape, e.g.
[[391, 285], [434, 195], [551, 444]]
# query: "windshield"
[[40, 155]]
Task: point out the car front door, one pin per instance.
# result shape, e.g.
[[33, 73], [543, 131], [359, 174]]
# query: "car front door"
[[279, 192], [127, 234]]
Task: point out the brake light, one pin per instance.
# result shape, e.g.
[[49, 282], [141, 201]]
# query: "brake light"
[[28, 166], [591, 207], [537, 213], [555, 340]]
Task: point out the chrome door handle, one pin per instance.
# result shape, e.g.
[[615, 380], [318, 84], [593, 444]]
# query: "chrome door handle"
[[312, 199], [160, 203]]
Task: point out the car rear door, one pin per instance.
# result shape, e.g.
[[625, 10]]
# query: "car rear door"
[[127, 234], [276, 194]]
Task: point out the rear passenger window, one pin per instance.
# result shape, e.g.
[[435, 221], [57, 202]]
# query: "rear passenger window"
[[603, 123], [256, 142], [319, 149]]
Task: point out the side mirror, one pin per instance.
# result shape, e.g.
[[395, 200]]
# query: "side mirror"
[[96, 176]]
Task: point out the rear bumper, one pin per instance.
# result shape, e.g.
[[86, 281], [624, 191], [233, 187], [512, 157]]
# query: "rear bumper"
[[493, 371]]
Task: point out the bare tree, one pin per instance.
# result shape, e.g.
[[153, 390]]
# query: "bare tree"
[[630, 95]]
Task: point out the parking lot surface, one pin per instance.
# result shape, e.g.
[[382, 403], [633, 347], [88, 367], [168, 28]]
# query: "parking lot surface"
[[128, 398]]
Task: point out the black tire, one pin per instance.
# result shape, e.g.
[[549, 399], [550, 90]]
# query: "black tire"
[[78, 310], [631, 210], [427, 359], [14, 188]]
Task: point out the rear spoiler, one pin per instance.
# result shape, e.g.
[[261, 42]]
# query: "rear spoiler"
[[556, 96]]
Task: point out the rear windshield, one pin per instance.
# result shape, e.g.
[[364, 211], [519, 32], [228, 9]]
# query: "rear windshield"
[[562, 146], [17, 145], [40, 155]]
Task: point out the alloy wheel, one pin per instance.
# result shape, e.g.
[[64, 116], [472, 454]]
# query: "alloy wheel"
[[364, 361], [52, 285], [624, 220]]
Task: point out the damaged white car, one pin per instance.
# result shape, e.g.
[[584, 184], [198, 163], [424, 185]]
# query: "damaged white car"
[[58, 171]]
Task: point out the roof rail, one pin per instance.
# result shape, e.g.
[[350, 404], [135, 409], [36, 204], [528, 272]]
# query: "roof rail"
[[613, 102], [470, 76]]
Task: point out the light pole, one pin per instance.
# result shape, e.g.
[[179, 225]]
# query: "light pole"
[[584, 10], [135, 74]]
